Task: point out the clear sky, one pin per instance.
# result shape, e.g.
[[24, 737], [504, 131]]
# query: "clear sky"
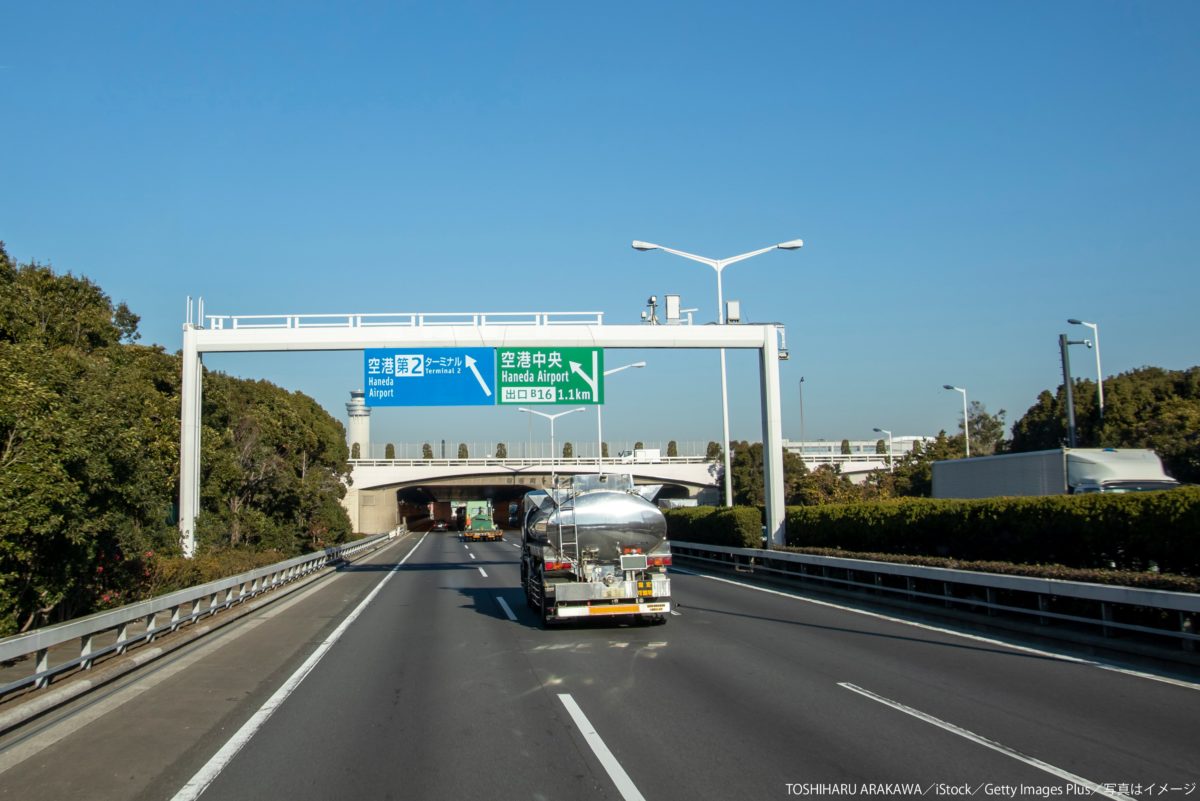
[[965, 176]]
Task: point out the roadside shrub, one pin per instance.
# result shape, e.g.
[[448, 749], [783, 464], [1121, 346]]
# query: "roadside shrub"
[[1151, 531], [733, 527]]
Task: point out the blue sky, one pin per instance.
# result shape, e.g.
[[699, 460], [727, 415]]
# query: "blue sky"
[[965, 176]]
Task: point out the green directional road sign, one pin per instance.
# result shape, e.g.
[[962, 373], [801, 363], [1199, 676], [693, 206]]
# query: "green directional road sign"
[[549, 375]]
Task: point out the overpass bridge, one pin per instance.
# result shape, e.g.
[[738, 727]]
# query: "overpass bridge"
[[379, 486]]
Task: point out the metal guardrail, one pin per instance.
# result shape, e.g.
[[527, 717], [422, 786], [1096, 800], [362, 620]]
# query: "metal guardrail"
[[184, 606], [1111, 609]]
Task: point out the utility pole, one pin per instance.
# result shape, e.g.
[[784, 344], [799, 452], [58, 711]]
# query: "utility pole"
[[1063, 346]]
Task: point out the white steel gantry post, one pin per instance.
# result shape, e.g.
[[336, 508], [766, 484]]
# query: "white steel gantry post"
[[190, 396], [772, 417]]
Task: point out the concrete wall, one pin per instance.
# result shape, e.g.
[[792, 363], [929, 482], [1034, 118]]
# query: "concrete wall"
[[371, 511]]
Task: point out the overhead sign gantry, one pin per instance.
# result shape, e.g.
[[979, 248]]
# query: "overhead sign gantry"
[[578, 338]]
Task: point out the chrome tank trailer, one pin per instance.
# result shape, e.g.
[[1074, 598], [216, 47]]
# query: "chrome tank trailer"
[[604, 513]]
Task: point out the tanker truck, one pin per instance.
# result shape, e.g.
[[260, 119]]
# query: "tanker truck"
[[595, 546]]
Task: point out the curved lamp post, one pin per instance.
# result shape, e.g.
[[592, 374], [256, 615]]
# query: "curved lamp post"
[[551, 418], [966, 425], [599, 422], [1099, 375], [719, 265]]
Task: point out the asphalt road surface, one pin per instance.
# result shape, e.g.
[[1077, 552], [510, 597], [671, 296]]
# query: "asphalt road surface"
[[421, 674]]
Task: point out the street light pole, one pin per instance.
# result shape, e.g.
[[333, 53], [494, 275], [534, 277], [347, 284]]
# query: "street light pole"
[[599, 422], [551, 418], [801, 418], [891, 461], [966, 424], [719, 265], [1099, 374]]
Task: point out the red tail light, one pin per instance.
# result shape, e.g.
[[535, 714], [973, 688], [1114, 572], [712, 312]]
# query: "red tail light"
[[660, 561], [553, 564]]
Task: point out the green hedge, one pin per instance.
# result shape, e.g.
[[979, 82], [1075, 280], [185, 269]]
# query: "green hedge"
[[735, 527], [1133, 532]]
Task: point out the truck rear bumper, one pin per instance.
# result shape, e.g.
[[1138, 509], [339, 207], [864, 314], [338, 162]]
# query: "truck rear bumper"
[[602, 610]]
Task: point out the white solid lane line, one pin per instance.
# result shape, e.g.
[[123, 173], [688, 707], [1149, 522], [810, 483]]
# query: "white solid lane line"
[[507, 610], [212, 769], [482, 572], [1099, 789], [620, 778], [954, 632]]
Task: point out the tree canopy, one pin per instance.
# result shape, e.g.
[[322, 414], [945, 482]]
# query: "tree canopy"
[[1149, 407], [89, 453]]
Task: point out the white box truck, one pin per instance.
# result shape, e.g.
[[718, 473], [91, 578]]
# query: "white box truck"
[[1060, 471]]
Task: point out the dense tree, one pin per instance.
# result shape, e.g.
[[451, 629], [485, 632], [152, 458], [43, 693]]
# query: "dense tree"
[[845, 447], [426, 451], [746, 466], [356, 451], [713, 451], [672, 449], [604, 449], [568, 450], [89, 452], [501, 450], [914, 471], [881, 446], [389, 451], [637, 446], [987, 431], [1145, 408], [463, 453]]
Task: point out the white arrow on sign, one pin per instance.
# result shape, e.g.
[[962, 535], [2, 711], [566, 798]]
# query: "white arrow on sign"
[[471, 364], [590, 380]]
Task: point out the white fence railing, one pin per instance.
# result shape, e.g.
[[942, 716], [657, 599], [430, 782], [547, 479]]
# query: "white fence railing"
[[1150, 616], [401, 319], [159, 616]]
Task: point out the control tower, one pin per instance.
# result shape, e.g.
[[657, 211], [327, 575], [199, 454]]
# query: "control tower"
[[359, 430]]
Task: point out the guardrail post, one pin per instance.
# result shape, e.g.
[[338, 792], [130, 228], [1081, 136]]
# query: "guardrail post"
[[122, 637], [85, 650], [41, 665], [947, 594], [991, 601], [1107, 616], [1186, 627], [174, 618], [1043, 605], [911, 583]]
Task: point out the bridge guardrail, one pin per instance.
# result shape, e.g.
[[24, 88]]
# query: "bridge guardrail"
[[184, 606], [527, 461], [1110, 609]]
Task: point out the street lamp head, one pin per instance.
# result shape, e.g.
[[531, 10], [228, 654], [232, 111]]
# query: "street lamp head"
[[878, 430], [947, 386], [639, 245], [1073, 321], [794, 244]]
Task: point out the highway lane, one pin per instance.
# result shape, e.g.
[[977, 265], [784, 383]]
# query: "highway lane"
[[434, 692], [742, 695]]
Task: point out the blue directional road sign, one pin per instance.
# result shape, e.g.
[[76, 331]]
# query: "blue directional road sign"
[[429, 376]]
